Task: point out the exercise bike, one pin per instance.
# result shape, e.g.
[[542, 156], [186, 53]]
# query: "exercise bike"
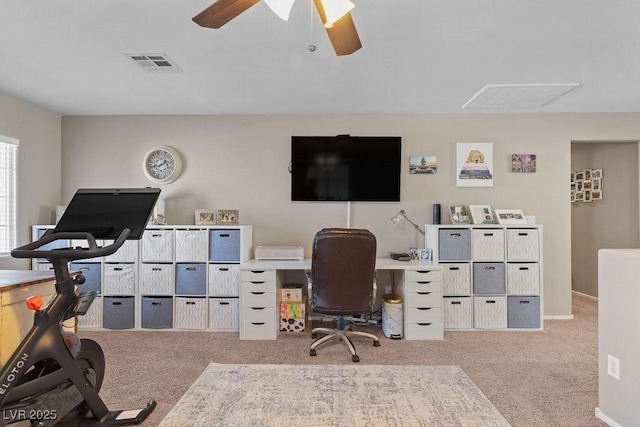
[[53, 377]]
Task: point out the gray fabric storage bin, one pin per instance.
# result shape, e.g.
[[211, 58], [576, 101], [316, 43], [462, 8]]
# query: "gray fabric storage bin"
[[454, 244], [92, 272], [118, 312], [523, 312], [191, 279], [157, 312], [224, 246], [488, 278]]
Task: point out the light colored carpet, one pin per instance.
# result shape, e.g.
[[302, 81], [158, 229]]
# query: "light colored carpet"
[[333, 395]]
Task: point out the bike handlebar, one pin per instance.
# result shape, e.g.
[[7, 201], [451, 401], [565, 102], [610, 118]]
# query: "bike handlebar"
[[30, 250]]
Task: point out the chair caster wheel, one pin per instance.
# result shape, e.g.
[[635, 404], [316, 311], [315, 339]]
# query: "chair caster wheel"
[[355, 358], [376, 343], [312, 352], [314, 335]]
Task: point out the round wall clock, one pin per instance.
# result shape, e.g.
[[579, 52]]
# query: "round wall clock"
[[162, 164]]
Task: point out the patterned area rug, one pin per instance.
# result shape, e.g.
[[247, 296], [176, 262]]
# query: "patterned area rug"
[[333, 395]]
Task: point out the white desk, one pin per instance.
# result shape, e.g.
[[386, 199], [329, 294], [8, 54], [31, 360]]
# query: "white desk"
[[261, 280]]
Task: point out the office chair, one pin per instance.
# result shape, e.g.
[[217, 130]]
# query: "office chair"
[[342, 282]]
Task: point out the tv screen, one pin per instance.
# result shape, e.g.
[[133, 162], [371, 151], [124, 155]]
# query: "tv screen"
[[106, 212], [345, 168]]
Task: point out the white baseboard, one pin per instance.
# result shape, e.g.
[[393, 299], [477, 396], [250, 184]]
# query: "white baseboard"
[[562, 317], [601, 416], [585, 295]]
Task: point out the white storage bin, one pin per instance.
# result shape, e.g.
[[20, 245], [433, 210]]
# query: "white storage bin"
[[191, 246], [487, 244], [523, 244], [93, 317], [224, 314], [523, 278], [157, 279], [191, 313], [490, 312], [224, 280], [456, 278], [128, 252], [118, 279], [458, 312], [157, 246], [44, 266]]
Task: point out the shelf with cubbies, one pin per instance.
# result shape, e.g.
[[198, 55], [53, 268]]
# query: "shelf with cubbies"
[[175, 277], [492, 275]]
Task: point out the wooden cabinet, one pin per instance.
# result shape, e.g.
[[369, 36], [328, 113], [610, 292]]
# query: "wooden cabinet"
[[492, 274]]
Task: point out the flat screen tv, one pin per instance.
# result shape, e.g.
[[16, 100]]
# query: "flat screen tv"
[[345, 168]]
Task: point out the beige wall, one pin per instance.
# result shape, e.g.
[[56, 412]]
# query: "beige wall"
[[39, 166], [608, 223], [240, 162]]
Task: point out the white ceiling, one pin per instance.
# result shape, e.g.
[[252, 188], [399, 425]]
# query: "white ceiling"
[[418, 56]]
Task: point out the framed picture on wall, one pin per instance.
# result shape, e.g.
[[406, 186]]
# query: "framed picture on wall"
[[474, 164]]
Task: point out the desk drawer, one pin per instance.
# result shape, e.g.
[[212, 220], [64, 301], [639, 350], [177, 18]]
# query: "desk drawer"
[[258, 298], [424, 331], [258, 330], [423, 275], [424, 315], [258, 275], [424, 299], [258, 314]]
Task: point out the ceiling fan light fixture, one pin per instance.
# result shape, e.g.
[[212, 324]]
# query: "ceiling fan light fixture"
[[335, 9], [282, 8]]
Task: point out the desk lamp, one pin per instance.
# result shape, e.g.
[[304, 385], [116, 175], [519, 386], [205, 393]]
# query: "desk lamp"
[[400, 217]]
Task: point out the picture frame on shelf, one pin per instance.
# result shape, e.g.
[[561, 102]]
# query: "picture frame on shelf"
[[424, 254], [510, 216], [205, 217], [459, 215], [228, 217], [481, 214]]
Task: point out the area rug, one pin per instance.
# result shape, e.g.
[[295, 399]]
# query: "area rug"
[[333, 395]]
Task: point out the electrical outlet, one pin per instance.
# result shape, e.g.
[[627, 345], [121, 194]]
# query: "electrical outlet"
[[388, 289], [613, 366]]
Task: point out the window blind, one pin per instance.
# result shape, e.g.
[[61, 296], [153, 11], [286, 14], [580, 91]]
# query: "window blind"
[[8, 196]]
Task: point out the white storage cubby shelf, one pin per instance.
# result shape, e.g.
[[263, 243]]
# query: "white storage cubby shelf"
[[175, 277], [492, 275]]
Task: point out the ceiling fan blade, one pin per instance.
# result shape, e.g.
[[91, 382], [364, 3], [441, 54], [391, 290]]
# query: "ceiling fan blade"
[[221, 12], [343, 34]]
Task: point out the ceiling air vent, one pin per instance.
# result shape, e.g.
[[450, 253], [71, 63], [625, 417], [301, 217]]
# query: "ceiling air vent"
[[517, 95], [155, 62]]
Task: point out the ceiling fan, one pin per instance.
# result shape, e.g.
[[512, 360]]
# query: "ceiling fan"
[[335, 15]]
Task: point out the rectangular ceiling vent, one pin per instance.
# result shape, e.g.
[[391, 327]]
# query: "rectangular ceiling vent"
[[513, 96], [155, 62]]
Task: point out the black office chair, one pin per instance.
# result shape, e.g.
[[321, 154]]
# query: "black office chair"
[[342, 282]]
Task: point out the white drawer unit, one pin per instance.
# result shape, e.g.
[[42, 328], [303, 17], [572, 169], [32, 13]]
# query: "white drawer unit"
[[192, 245], [258, 299], [157, 246], [422, 295], [486, 267]]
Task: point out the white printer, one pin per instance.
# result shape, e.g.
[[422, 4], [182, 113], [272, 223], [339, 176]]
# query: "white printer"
[[279, 252]]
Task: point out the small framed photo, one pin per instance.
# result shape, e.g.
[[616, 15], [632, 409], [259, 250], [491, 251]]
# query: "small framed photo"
[[481, 214], [596, 183], [205, 217], [424, 254], [579, 175], [510, 216], [587, 174], [596, 194], [228, 217], [459, 215], [573, 177], [587, 196], [579, 184], [579, 196], [573, 196], [596, 174]]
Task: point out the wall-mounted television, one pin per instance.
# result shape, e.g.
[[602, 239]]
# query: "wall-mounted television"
[[345, 168]]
